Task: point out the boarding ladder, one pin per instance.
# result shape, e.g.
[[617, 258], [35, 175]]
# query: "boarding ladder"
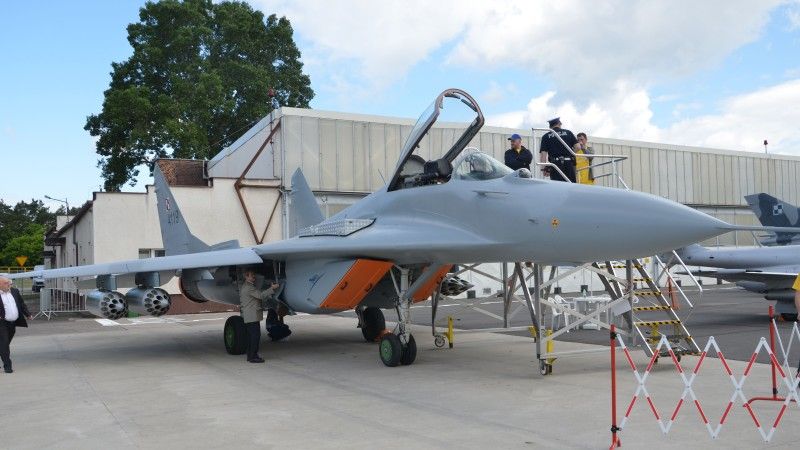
[[650, 310]]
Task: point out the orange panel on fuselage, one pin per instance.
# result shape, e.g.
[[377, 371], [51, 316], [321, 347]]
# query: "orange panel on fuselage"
[[426, 289], [362, 276]]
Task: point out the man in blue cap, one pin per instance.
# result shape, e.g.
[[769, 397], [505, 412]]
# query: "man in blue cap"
[[518, 157], [553, 151]]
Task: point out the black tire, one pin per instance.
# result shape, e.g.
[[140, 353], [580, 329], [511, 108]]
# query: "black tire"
[[373, 323], [234, 336], [390, 350], [789, 317], [409, 352]]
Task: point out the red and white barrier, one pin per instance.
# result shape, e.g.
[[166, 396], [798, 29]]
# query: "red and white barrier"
[[714, 427]]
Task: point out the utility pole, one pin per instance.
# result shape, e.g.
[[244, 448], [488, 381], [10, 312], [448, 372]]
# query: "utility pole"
[[765, 147]]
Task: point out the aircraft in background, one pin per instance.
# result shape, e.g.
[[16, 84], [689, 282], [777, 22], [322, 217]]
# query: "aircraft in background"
[[769, 271], [396, 246], [775, 212]]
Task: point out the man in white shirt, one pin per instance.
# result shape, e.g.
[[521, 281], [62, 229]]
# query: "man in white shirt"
[[12, 315]]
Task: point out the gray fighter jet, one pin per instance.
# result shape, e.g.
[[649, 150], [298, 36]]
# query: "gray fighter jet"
[[770, 271], [775, 212], [396, 246]]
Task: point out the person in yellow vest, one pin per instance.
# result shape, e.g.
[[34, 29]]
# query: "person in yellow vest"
[[583, 163], [796, 288]]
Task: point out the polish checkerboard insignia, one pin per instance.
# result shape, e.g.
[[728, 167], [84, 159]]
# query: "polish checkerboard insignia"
[[777, 210]]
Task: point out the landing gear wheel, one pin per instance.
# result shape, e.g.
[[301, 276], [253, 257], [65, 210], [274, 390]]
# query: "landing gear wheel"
[[439, 341], [235, 336], [545, 368], [390, 349], [789, 317], [373, 323], [409, 352]]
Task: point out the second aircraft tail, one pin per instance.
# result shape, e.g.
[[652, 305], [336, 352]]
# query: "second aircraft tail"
[[774, 212]]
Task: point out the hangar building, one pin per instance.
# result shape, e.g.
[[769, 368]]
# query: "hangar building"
[[241, 192]]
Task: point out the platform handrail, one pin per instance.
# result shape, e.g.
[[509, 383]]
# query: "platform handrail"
[[614, 159]]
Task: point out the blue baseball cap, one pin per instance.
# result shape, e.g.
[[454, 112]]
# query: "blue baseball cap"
[[514, 137]]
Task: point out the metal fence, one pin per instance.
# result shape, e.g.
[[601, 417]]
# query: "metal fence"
[[53, 301]]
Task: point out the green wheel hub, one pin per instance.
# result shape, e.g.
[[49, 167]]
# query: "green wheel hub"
[[229, 336], [386, 349]]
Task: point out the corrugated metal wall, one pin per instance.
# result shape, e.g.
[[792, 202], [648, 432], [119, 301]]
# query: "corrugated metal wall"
[[698, 176]]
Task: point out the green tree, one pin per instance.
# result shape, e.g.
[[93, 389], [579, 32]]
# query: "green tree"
[[19, 225], [200, 74], [29, 243]]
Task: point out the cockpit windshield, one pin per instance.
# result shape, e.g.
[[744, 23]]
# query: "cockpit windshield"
[[474, 165], [414, 169]]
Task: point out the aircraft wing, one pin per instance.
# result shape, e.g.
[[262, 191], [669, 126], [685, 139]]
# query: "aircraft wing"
[[424, 243], [214, 258], [734, 275], [390, 243]]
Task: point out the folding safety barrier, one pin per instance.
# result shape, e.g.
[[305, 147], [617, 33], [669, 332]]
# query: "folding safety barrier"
[[780, 370]]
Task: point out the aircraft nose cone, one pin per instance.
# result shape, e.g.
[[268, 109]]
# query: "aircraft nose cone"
[[630, 224]]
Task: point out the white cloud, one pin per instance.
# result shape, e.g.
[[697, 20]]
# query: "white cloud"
[[368, 45], [586, 52], [793, 15], [498, 92], [744, 121]]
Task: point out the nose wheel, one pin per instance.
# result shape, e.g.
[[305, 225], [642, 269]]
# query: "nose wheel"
[[399, 347], [394, 352]]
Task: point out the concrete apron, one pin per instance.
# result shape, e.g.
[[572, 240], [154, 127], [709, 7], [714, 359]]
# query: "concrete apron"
[[172, 385]]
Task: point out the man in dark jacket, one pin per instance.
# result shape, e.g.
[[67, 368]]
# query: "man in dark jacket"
[[552, 150], [518, 157], [12, 315]]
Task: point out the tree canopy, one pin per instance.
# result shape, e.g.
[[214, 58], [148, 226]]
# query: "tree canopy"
[[199, 76], [22, 229]]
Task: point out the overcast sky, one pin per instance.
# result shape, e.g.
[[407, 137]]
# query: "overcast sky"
[[715, 73]]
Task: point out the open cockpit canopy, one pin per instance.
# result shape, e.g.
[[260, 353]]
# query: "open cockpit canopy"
[[413, 169]]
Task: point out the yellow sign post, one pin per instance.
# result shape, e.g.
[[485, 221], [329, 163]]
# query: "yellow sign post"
[[21, 260]]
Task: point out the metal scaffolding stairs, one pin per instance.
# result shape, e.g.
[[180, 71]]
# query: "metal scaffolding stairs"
[[651, 310]]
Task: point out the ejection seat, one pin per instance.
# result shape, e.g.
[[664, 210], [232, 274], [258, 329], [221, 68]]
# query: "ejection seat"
[[436, 171]]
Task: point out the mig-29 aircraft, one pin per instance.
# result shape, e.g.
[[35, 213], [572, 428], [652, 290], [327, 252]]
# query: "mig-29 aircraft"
[[396, 246]]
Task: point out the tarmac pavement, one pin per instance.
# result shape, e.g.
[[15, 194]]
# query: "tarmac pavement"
[[155, 383]]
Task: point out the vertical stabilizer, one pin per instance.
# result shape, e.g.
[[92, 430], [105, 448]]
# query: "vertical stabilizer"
[[774, 212], [175, 234], [303, 208]]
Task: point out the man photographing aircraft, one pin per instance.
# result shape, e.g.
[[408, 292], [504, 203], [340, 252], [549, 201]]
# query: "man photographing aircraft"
[[12, 315], [252, 310]]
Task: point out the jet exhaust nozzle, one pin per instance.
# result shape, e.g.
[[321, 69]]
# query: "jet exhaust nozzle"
[[153, 301], [107, 304]]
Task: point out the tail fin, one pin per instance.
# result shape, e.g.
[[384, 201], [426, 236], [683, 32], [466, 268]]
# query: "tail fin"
[[175, 234], [303, 208], [774, 212]]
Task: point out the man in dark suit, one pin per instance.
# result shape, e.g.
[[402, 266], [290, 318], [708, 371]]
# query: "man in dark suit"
[[12, 315]]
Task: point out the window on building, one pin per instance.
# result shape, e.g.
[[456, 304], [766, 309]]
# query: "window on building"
[[145, 253]]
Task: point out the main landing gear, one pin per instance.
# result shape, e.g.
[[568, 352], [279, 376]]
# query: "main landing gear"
[[372, 323], [235, 336]]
